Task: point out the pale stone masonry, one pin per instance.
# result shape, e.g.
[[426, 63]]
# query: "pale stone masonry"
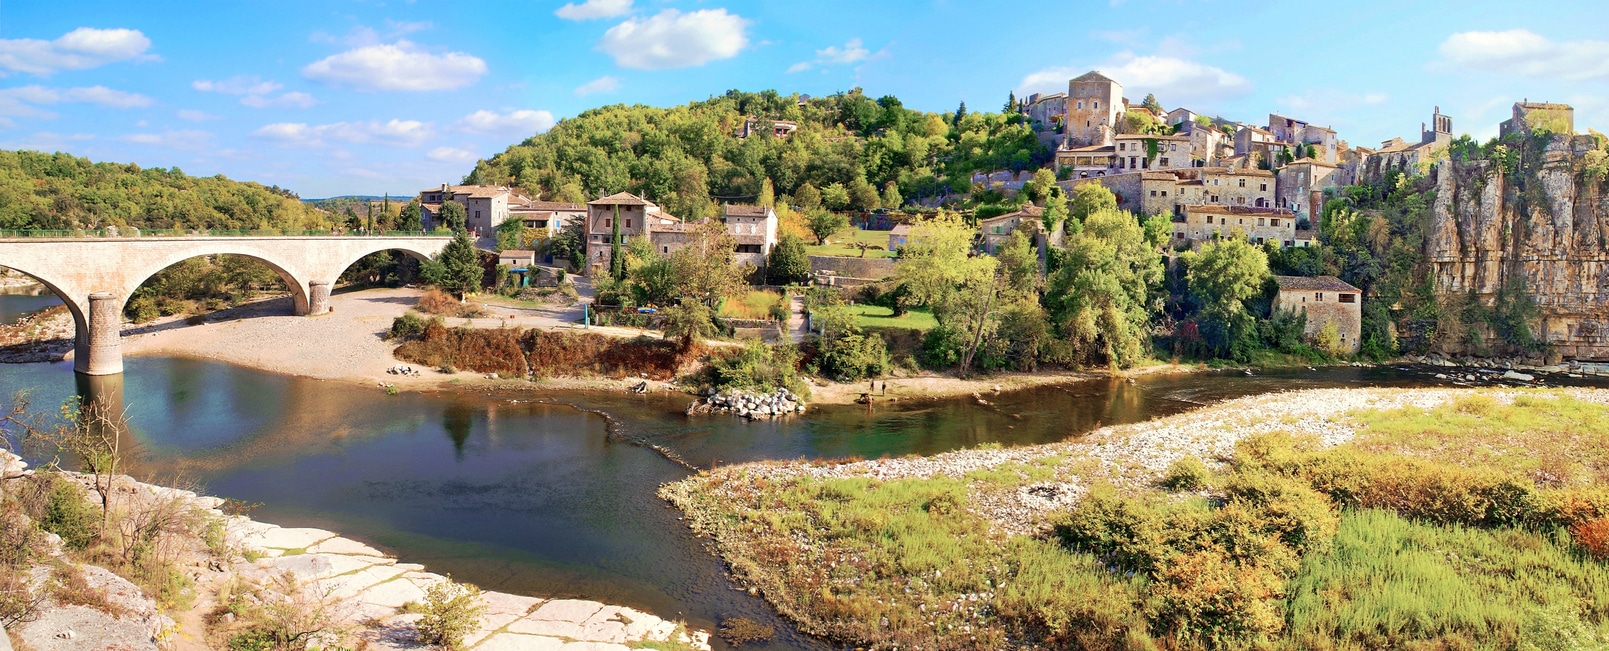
[[1325, 300], [485, 206], [753, 227], [1257, 225]]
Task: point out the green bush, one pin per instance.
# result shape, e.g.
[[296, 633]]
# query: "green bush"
[[451, 610], [853, 356], [69, 514], [1186, 475], [756, 366], [411, 326]]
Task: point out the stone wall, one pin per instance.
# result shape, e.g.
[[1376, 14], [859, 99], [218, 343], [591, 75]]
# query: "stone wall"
[[871, 268], [1547, 229], [1347, 317]]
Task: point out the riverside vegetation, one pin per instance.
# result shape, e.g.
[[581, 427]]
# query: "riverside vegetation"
[[1422, 519]]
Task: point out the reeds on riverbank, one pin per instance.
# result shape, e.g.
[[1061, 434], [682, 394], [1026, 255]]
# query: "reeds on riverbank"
[[519, 353]]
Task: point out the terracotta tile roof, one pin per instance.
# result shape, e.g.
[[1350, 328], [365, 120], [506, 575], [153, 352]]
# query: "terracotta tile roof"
[[900, 229], [1092, 76], [1305, 234], [517, 252], [1314, 284], [559, 206], [621, 199], [1308, 160], [740, 210]]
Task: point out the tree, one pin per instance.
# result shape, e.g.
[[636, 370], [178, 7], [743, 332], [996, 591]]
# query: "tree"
[[807, 197], [690, 321], [514, 234], [1102, 294], [835, 196], [451, 611], [1221, 278], [1011, 103], [352, 220], [824, 223], [411, 219], [788, 263], [1150, 102], [452, 216], [768, 193], [863, 196], [960, 112], [706, 268], [891, 196], [570, 242], [457, 268], [1090, 198]]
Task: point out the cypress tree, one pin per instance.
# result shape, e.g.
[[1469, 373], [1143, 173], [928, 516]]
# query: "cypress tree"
[[617, 263]]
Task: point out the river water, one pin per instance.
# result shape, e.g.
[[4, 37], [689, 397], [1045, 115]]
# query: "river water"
[[528, 494], [18, 302]]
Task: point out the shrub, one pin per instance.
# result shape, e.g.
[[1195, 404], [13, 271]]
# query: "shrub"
[[853, 356], [1186, 475], [741, 630], [70, 515], [435, 301], [411, 326], [481, 350], [691, 322], [756, 366], [1593, 536], [451, 611]]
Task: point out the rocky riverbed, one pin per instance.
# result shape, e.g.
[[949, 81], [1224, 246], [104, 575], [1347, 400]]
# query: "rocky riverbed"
[[367, 590], [1131, 455]]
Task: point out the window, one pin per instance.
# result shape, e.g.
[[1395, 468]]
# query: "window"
[[608, 222], [1273, 222], [1349, 298], [1080, 105], [1153, 193], [1215, 198], [1215, 182], [1180, 234], [1263, 187], [1164, 193], [477, 214], [666, 248], [1096, 104], [1243, 183], [1173, 147], [1209, 219], [628, 222], [1260, 221], [1164, 162], [1318, 296], [1122, 146]]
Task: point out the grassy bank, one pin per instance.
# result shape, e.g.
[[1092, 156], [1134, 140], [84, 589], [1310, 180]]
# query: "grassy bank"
[[1433, 519]]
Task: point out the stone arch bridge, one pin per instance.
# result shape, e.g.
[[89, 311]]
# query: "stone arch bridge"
[[96, 276]]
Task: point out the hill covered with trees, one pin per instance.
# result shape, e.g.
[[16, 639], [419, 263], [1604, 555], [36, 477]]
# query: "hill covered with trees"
[[849, 151], [60, 191]]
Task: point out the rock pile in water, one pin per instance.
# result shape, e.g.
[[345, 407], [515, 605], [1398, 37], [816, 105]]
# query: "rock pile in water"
[[753, 406]]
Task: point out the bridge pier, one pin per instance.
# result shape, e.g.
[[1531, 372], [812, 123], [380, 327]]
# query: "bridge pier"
[[318, 297], [100, 352]]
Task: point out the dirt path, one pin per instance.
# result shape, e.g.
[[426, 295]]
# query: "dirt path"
[[796, 321]]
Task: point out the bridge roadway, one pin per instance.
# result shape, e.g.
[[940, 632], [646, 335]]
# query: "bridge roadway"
[[96, 276]]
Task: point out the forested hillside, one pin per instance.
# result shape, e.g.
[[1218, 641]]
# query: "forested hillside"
[[60, 191], [850, 151]]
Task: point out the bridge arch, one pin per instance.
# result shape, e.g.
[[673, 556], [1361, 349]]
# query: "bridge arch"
[[76, 305], [296, 286]]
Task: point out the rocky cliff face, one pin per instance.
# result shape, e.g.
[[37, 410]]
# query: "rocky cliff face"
[[1544, 227]]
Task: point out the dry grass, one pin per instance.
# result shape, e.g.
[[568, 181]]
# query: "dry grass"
[[514, 352], [441, 303]]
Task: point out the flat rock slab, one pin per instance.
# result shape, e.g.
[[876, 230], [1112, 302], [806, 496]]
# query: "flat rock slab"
[[567, 610], [548, 628], [490, 624], [392, 594], [79, 628], [502, 602], [285, 538], [346, 586], [518, 642], [316, 567], [344, 546], [594, 646]]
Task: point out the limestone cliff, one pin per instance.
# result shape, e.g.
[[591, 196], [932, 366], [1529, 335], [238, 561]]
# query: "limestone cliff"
[[1543, 226]]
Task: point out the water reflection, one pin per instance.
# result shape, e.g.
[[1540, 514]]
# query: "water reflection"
[[18, 302]]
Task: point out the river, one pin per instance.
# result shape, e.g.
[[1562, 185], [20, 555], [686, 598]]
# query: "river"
[[527, 494], [18, 302]]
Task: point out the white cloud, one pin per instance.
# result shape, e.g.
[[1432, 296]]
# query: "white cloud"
[[24, 101], [287, 100], [80, 49], [46, 141], [1526, 53], [363, 35], [182, 139], [1330, 100], [395, 133], [853, 51], [514, 123], [399, 66], [1175, 81], [452, 155], [237, 85], [672, 39], [193, 115], [604, 84], [594, 9]]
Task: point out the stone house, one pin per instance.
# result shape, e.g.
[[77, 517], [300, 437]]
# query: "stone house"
[[1301, 184], [637, 216], [1141, 193], [755, 229], [1293, 131], [1047, 111], [1094, 106], [1258, 144], [1134, 152], [1087, 162], [1227, 186], [547, 217], [753, 125], [1258, 225], [485, 206], [1529, 116], [899, 236], [1400, 154], [995, 231], [1206, 143], [516, 258], [1325, 300], [1180, 116]]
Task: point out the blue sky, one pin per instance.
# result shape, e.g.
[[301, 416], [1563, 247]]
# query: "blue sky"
[[365, 97]]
